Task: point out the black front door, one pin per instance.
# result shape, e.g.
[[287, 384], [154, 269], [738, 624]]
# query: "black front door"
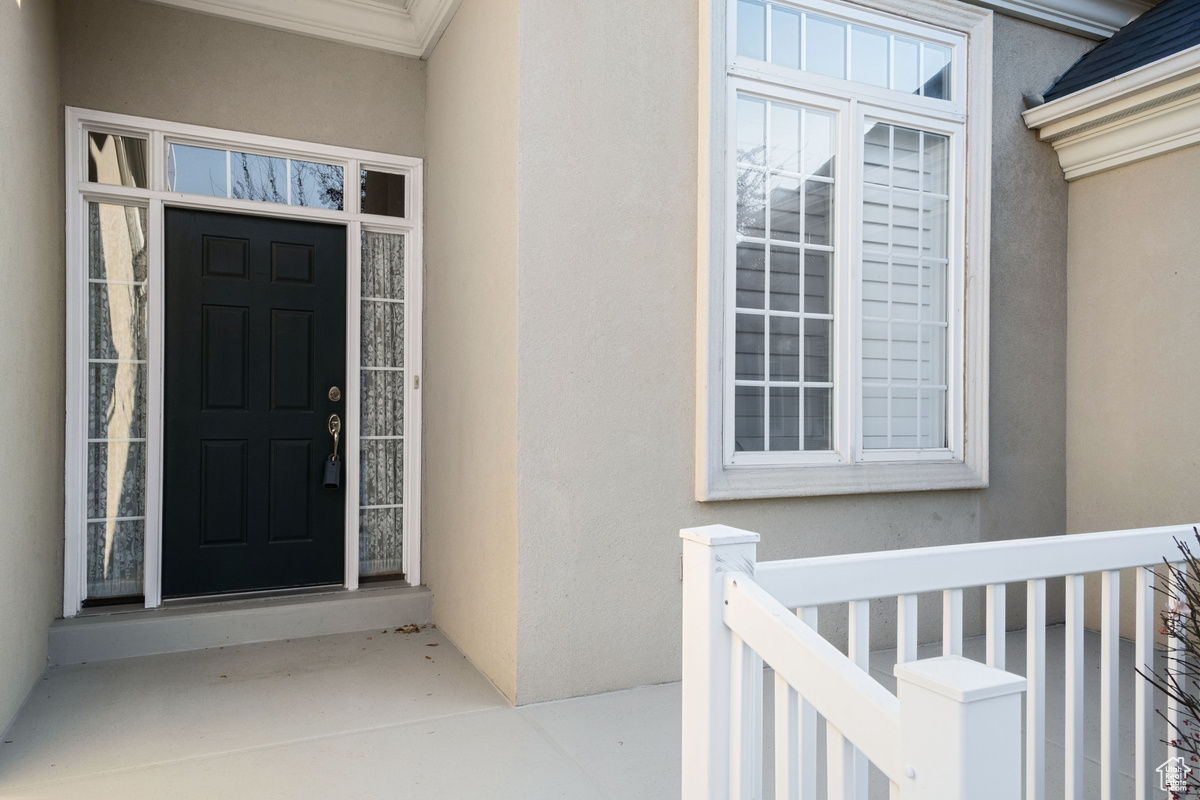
[[255, 342]]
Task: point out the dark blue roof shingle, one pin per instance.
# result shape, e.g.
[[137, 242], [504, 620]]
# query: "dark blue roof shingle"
[[1164, 30]]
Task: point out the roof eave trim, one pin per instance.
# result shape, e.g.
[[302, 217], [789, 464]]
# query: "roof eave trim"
[[1095, 19], [408, 29], [1145, 112]]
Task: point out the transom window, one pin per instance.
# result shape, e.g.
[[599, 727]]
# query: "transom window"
[[845, 202]]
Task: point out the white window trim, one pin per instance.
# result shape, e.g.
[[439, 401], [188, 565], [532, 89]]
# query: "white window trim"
[[966, 465], [79, 192]]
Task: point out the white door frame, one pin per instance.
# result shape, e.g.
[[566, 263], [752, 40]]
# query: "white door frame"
[[79, 192]]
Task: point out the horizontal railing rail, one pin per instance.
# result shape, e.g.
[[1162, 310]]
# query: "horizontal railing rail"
[[870, 576]]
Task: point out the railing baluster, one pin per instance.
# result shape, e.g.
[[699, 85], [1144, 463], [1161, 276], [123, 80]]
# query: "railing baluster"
[[1175, 665], [806, 740], [860, 654], [745, 735], [787, 741], [1035, 691], [839, 764], [952, 615], [997, 625], [906, 628], [1073, 669], [1110, 633], [1146, 785]]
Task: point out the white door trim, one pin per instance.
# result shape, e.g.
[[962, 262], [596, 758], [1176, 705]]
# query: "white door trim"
[[155, 198]]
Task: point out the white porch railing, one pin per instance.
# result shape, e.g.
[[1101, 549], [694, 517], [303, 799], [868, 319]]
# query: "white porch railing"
[[953, 729]]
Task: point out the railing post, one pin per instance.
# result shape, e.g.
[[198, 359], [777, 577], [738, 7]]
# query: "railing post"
[[708, 553], [960, 730]]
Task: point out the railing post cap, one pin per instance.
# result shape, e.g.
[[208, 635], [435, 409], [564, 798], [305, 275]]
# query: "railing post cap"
[[714, 535], [959, 678]]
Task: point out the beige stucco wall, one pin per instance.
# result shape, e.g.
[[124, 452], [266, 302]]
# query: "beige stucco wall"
[[1133, 350], [470, 382], [607, 346], [149, 60], [31, 346]]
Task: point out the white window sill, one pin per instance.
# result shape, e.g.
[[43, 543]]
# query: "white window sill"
[[749, 482]]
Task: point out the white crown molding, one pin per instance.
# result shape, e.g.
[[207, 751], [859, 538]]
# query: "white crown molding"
[[1095, 19], [1145, 112], [405, 27]]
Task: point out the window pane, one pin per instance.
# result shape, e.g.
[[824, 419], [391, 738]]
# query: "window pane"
[[260, 178], [785, 208], [785, 418], [785, 279], [869, 62], [785, 137], [115, 558], [748, 418], [197, 170], [818, 419], [751, 130], [749, 347], [816, 154], [752, 204], [785, 37], [382, 193], [117, 160], [906, 68], [317, 185], [817, 285], [785, 349], [935, 71], [904, 268], [816, 350], [818, 212], [752, 30], [825, 46], [751, 275]]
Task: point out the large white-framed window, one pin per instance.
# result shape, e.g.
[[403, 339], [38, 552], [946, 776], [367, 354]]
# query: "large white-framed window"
[[121, 172], [844, 225]]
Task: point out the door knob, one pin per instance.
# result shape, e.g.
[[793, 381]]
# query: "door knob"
[[335, 393]]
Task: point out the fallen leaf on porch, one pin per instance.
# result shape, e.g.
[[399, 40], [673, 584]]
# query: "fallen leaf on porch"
[[224, 676], [368, 638], [407, 629], [427, 658], [432, 644]]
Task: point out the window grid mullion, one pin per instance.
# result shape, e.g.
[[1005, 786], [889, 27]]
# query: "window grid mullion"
[[891, 269], [768, 205], [801, 444], [920, 249]]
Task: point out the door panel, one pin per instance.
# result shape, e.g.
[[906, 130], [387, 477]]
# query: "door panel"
[[255, 337]]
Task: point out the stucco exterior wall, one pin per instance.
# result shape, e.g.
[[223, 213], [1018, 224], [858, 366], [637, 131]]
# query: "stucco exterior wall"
[[31, 346], [153, 61], [607, 347], [470, 381], [1133, 350]]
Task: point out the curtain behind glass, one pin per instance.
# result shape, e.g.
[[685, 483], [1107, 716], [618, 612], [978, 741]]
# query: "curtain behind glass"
[[381, 452], [116, 457]]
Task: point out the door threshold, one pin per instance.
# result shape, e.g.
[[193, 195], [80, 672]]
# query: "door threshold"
[[105, 633], [298, 591]]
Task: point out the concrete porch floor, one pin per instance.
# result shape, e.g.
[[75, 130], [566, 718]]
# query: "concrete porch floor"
[[386, 714], [363, 715]]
